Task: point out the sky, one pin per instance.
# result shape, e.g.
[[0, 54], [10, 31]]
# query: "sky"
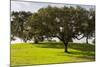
[[35, 6]]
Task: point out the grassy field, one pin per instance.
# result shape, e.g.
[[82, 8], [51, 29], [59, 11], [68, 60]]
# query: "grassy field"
[[50, 53]]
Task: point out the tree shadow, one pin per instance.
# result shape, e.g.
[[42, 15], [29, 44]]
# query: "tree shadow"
[[59, 45], [79, 54], [82, 53], [82, 47], [50, 45], [86, 51]]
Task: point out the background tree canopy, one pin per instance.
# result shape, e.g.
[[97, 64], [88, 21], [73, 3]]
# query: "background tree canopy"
[[64, 23]]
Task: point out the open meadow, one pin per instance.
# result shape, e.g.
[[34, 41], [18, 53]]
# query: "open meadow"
[[50, 53]]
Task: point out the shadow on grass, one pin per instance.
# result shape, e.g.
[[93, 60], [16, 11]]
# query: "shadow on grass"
[[89, 55], [82, 53], [77, 46], [82, 47], [86, 51], [50, 45]]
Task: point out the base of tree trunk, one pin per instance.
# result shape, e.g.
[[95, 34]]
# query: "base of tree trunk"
[[36, 42], [66, 51], [66, 47]]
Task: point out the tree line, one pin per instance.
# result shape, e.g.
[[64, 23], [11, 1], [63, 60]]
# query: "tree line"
[[65, 23]]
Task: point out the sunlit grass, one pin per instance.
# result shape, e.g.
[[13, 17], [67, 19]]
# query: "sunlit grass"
[[49, 53]]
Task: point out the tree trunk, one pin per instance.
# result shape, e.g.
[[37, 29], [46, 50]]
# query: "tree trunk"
[[35, 41], [87, 40], [25, 41], [65, 42], [66, 46]]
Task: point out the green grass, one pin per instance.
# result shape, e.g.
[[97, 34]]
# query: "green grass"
[[50, 53]]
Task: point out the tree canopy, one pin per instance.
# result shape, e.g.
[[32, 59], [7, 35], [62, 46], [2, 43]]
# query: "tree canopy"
[[64, 23]]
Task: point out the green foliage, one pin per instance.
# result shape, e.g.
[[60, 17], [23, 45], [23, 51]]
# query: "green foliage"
[[18, 24], [64, 23]]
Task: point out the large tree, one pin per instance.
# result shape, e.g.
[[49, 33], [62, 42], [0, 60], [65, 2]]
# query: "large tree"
[[63, 23]]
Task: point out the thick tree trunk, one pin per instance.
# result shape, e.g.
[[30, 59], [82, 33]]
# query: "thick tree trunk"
[[65, 42], [66, 46]]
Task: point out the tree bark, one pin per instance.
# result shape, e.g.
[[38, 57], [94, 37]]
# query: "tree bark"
[[87, 40], [35, 41], [66, 47], [65, 42]]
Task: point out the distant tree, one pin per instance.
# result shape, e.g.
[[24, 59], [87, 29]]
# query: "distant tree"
[[18, 21], [34, 23], [88, 26]]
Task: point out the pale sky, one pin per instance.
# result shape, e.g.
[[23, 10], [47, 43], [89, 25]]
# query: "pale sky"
[[35, 6]]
